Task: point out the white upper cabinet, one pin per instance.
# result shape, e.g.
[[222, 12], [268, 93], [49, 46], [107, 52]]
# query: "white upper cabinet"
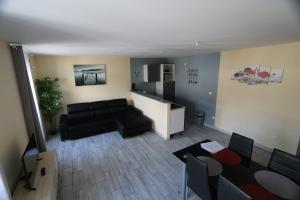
[[159, 72], [167, 72]]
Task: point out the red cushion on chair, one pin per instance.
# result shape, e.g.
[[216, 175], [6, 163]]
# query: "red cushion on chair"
[[257, 192], [226, 156]]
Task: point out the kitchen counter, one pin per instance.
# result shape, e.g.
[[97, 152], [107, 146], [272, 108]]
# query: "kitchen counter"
[[167, 117], [152, 96], [159, 98], [176, 106]]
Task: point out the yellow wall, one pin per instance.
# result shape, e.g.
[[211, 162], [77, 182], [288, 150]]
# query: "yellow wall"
[[117, 76], [270, 114], [13, 134]]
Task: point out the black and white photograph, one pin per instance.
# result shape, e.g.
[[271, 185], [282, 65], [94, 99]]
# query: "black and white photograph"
[[90, 74]]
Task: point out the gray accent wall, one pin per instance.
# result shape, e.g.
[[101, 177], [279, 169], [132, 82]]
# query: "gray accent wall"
[[196, 96], [137, 72]]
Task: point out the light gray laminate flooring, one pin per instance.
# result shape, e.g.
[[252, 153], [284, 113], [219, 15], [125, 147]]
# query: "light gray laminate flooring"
[[108, 167]]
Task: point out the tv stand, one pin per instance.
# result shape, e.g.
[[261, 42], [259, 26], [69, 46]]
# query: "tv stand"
[[46, 186]]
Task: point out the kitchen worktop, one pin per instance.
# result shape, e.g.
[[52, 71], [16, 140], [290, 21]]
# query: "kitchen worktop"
[[159, 98], [167, 117], [152, 96]]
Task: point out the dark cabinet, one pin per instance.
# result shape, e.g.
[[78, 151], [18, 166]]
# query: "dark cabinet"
[[152, 73], [166, 90]]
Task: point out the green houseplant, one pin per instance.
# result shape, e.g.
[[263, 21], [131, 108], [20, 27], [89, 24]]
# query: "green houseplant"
[[50, 99]]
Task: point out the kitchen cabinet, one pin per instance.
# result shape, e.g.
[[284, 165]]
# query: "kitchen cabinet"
[[167, 72], [159, 72], [151, 72]]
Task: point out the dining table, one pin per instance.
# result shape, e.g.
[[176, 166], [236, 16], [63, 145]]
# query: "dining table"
[[238, 174]]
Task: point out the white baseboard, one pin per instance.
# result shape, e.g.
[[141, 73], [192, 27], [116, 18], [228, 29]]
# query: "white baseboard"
[[217, 129], [229, 133]]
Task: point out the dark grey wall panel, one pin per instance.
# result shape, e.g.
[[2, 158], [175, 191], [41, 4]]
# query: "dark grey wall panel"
[[137, 72], [196, 96]]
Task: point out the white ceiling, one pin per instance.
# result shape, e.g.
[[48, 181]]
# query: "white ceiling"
[[147, 28]]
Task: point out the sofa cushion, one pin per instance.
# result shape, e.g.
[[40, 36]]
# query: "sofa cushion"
[[134, 131], [133, 121], [75, 121], [90, 125], [78, 107], [101, 112], [118, 109], [118, 103], [79, 115], [100, 105]]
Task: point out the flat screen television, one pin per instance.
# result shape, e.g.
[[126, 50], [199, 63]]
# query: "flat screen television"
[[30, 161]]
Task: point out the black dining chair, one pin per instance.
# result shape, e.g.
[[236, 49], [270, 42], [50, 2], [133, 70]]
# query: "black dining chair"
[[241, 145], [285, 164], [197, 181], [226, 191]]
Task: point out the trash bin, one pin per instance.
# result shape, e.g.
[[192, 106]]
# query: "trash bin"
[[199, 118]]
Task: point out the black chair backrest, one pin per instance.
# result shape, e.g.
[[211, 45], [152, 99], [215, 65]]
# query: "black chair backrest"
[[285, 164], [241, 145], [228, 191], [197, 172]]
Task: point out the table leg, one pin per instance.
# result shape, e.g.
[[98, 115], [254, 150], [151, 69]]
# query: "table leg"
[[184, 183]]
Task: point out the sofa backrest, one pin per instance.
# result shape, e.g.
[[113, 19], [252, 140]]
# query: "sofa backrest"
[[97, 108], [118, 105], [79, 110], [96, 105]]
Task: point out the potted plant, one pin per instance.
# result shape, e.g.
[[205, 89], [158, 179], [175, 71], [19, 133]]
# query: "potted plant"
[[50, 99]]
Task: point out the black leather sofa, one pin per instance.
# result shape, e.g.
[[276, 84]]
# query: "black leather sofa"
[[86, 119]]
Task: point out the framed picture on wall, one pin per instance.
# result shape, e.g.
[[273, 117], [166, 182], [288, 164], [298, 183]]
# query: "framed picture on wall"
[[257, 74], [89, 74], [263, 74], [276, 75]]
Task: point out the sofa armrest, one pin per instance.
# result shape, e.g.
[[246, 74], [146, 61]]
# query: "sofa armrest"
[[63, 127]]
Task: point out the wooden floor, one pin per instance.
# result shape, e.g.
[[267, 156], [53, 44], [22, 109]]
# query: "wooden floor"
[[108, 167]]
